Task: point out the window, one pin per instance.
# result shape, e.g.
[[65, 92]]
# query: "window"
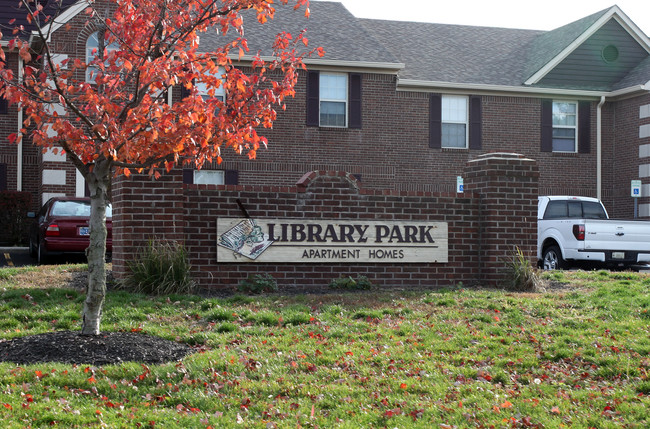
[[333, 100], [454, 121], [556, 210], [559, 209], [219, 93], [566, 126], [210, 177], [565, 131], [333, 90], [92, 51]]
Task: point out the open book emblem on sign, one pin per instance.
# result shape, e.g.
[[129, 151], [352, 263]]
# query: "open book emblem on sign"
[[246, 238]]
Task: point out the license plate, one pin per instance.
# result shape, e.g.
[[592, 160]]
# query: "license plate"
[[84, 230], [618, 255]]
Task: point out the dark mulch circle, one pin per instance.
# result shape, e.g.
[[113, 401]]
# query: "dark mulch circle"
[[106, 348]]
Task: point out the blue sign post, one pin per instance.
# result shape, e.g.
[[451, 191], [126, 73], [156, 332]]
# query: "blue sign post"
[[636, 194]]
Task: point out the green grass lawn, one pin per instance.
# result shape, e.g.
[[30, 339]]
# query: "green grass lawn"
[[453, 358]]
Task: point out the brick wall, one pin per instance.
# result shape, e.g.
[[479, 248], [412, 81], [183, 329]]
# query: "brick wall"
[[622, 164], [482, 228], [391, 150]]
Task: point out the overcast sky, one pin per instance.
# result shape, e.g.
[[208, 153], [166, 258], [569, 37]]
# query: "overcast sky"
[[535, 15]]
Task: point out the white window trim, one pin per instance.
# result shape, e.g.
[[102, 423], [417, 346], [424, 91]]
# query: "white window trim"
[[466, 122], [334, 100], [569, 127]]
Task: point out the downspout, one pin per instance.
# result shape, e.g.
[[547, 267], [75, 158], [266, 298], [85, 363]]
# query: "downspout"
[[19, 154], [599, 148]]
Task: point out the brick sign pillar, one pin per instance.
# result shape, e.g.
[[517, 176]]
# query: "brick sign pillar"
[[146, 209], [507, 186]]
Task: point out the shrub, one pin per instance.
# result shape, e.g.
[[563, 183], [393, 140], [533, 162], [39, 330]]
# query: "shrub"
[[348, 283], [258, 283], [520, 274], [160, 268], [13, 216]]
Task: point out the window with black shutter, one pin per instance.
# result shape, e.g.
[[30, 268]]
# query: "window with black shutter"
[[210, 177], [334, 99], [455, 122]]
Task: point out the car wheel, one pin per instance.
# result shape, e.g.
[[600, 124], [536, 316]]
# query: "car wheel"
[[552, 259], [41, 254], [32, 249]]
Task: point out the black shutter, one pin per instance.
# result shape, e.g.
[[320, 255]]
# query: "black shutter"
[[3, 177], [354, 109], [584, 127], [313, 99], [475, 122], [4, 104], [188, 176], [231, 177], [435, 121], [185, 91], [547, 126]]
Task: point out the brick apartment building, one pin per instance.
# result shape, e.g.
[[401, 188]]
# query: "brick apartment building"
[[405, 105], [404, 108]]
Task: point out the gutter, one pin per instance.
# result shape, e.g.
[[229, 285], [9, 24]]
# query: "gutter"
[[477, 88], [19, 150], [427, 86], [599, 148], [341, 64]]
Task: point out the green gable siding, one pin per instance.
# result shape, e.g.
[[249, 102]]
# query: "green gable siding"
[[585, 68]]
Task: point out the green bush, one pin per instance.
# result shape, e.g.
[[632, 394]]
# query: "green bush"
[[160, 268], [258, 283], [520, 274], [348, 283]]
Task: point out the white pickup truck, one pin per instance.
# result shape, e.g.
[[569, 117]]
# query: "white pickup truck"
[[578, 229]]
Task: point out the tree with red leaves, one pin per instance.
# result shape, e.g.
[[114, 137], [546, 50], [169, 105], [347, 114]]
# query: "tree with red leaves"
[[111, 114]]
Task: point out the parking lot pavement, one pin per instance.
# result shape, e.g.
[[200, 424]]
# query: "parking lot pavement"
[[15, 257]]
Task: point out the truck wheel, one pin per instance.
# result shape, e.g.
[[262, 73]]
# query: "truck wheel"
[[552, 259]]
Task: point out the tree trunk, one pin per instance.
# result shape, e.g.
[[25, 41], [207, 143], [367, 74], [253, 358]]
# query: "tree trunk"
[[98, 182]]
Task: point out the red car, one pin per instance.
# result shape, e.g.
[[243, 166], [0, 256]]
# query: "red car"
[[61, 227]]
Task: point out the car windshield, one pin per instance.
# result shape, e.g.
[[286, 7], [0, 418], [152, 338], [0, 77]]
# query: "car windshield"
[[75, 209]]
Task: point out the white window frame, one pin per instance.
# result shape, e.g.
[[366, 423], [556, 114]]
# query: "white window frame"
[[322, 99], [209, 177], [565, 127], [444, 120]]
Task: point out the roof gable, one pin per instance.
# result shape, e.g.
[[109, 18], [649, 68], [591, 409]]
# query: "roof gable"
[[10, 10], [600, 62], [555, 51]]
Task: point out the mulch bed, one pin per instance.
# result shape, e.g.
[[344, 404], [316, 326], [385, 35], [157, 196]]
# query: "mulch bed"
[[106, 348]]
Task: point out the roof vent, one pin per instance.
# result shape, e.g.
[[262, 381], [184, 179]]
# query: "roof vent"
[[610, 53]]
